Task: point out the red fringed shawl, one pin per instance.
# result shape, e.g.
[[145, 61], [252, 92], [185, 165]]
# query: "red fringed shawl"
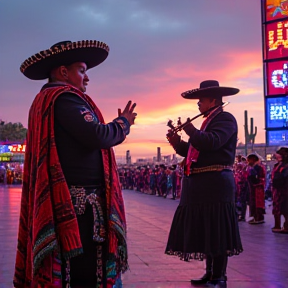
[[48, 228]]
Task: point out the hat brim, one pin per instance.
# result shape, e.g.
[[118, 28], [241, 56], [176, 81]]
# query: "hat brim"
[[208, 92], [39, 66], [250, 156], [282, 151]]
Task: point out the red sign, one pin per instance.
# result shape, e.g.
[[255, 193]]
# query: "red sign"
[[276, 9], [277, 77], [17, 148], [277, 40]]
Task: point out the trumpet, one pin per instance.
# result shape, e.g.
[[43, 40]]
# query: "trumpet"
[[175, 129]]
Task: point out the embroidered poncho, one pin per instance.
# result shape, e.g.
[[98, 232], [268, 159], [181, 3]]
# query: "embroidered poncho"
[[48, 228]]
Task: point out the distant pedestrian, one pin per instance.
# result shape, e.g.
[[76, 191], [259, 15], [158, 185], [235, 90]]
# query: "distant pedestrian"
[[152, 182], [174, 181], [256, 181], [169, 182], [280, 191], [163, 180], [240, 173]]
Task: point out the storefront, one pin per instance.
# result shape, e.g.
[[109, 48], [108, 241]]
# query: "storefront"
[[11, 162]]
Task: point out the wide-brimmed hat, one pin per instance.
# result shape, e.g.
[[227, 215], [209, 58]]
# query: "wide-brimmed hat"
[[209, 88], [39, 66], [283, 151], [253, 156]]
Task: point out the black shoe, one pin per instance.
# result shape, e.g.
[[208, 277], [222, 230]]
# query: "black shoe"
[[203, 280], [219, 282]]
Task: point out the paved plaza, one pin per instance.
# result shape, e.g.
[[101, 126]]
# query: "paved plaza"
[[264, 262]]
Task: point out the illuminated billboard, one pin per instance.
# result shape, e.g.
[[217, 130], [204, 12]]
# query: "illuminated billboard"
[[276, 9], [4, 149], [277, 77], [277, 138], [276, 40], [277, 112], [275, 63], [14, 148]]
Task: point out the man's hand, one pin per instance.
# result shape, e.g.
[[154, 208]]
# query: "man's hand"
[[128, 112], [174, 139], [189, 128]]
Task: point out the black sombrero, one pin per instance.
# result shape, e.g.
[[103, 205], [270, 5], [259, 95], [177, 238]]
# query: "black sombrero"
[[283, 151], [209, 88], [91, 52], [256, 156]]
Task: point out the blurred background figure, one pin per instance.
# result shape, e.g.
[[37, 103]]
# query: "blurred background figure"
[[256, 181], [280, 190]]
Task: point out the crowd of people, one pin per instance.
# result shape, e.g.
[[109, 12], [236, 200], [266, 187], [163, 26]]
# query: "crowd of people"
[[159, 180], [253, 185], [11, 173], [250, 177]]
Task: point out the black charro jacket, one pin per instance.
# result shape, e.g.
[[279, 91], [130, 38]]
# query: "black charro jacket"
[[216, 145], [79, 138]]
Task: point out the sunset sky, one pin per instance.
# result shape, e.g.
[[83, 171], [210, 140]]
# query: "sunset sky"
[[158, 49]]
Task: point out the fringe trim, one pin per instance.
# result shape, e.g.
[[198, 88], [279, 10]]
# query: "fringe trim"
[[197, 255], [72, 253], [122, 252]]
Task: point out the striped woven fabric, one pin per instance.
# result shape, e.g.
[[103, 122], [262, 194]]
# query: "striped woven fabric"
[[48, 225]]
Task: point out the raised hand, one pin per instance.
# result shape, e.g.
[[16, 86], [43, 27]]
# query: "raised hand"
[[128, 112]]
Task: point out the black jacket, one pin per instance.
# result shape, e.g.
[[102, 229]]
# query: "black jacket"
[[80, 137], [217, 144]]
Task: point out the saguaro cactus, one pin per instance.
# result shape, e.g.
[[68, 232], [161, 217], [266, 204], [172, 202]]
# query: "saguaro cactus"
[[249, 137]]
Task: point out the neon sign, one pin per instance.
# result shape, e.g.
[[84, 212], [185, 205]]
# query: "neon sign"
[[277, 77], [277, 137], [275, 60], [276, 9], [277, 112], [17, 148], [277, 40]]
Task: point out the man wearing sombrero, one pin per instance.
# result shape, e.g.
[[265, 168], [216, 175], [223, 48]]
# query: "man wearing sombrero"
[[72, 230], [205, 224]]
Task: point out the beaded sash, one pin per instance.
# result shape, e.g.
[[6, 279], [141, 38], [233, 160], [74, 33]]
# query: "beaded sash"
[[79, 199], [210, 168]]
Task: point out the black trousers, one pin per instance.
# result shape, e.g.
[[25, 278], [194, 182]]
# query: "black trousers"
[[83, 268]]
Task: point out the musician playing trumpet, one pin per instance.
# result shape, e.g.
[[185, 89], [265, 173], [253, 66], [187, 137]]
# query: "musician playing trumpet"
[[205, 224]]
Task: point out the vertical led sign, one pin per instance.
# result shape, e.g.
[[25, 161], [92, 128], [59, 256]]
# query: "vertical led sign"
[[275, 64]]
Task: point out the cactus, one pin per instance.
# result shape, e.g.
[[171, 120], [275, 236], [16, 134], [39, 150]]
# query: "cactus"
[[249, 137]]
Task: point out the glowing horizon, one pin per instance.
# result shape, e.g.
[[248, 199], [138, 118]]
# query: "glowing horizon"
[[155, 55]]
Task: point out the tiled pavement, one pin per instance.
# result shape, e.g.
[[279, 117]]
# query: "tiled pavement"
[[264, 263]]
